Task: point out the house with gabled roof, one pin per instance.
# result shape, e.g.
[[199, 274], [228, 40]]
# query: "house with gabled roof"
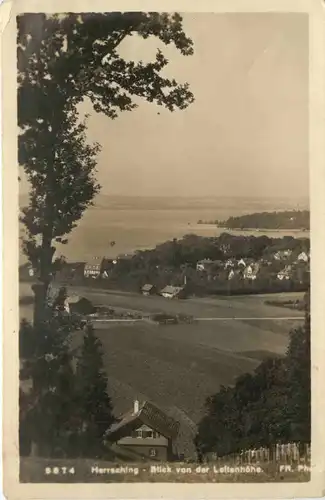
[[234, 273], [145, 432], [282, 254], [148, 289], [285, 274], [93, 267], [303, 257], [251, 271], [231, 274]]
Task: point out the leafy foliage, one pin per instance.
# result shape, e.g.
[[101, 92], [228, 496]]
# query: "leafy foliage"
[[269, 406], [63, 59], [46, 410], [69, 57], [61, 171], [171, 261], [67, 411], [94, 404]]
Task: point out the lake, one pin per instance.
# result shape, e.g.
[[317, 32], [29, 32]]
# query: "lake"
[[136, 223]]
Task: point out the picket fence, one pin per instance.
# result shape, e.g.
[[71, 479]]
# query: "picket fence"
[[289, 453]]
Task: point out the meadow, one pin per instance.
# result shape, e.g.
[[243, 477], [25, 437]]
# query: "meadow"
[[178, 366]]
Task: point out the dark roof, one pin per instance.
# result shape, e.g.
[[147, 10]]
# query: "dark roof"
[[147, 287], [148, 414]]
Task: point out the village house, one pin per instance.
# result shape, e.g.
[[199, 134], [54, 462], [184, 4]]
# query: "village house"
[[173, 292], [241, 262], [229, 263], [93, 268], [148, 289], [251, 271], [143, 433], [303, 257], [285, 274], [231, 274], [282, 254], [234, 273]]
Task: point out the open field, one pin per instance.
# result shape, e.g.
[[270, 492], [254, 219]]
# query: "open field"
[[209, 307], [179, 366]]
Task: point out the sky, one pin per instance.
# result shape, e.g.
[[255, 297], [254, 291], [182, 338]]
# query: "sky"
[[245, 134]]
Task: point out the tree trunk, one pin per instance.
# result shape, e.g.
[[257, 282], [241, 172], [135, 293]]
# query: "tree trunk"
[[40, 298], [40, 289]]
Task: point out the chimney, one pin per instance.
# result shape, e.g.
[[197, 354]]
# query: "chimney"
[[136, 407]]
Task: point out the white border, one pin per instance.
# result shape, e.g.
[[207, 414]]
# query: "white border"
[[13, 488]]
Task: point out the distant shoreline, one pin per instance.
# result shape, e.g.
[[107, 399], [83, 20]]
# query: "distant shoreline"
[[250, 230], [265, 221], [262, 230]]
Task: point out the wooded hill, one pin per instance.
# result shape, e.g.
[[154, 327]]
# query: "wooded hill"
[[294, 219]]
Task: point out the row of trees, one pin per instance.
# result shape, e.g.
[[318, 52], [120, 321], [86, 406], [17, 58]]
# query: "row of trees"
[[192, 248], [202, 284], [272, 405]]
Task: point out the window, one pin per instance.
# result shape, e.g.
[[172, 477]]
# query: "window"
[[147, 434], [144, 432], [152, 452]]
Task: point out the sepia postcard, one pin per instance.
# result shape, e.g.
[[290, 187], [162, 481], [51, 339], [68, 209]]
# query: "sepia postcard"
[[163, 262]]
